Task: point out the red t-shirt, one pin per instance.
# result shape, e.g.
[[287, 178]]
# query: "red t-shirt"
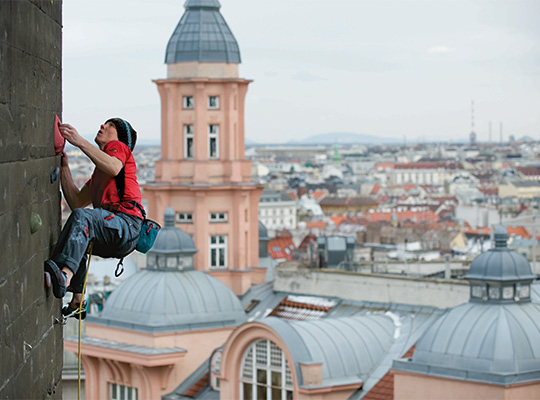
[[103, 187]]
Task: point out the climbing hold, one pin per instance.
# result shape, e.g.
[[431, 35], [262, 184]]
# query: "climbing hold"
[[54, 174], [35, 222], [47, 283], [59, 141]]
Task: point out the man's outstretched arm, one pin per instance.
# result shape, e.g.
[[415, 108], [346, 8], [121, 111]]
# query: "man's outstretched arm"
[[75, 197], [106, 163]]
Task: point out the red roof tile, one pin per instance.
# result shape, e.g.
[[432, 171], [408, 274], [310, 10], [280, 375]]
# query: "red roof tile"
[[195, 389], [281, 248], [384, 389], [314, 225]]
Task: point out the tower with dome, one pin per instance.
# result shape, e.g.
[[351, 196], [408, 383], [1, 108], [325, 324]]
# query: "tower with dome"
[[203, 174]]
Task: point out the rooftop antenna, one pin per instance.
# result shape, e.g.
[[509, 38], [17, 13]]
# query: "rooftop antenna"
[[501, 132], [472, 136], [489, 131]]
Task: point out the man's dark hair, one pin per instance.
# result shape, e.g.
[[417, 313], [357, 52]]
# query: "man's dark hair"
[[126, 133]]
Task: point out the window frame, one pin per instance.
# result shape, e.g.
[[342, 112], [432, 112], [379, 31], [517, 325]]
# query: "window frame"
[[213, 137], [213, 106], [115, 389], [186, 102], [218, 216], [220, 249], [188, 217], [256, 365], [189, 137]]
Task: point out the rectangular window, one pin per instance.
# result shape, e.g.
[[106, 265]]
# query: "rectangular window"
[[121, 392], [218, 217], [218, 251], [213, 134], [213, 102], [188, 141], [188, 102], [184, 217]]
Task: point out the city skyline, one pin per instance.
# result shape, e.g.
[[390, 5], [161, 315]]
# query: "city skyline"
[[390, 69]]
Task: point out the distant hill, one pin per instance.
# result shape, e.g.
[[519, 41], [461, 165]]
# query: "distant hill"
[[345, 138]]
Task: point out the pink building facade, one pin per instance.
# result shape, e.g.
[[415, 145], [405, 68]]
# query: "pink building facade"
[[203, 174]]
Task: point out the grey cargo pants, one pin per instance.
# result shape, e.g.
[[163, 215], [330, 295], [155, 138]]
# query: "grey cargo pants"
[[114, 235]]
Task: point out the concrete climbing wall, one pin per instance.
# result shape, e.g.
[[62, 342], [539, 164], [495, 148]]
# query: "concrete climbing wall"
[[31, 346]]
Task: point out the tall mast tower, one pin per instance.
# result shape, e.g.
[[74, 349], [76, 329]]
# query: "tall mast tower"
[[472, 135]]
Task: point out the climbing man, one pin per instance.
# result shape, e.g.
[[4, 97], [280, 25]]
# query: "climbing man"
[[114, 224]]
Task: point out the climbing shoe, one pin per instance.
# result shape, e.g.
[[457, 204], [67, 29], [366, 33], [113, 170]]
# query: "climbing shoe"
[[58, 278], [67, 311]]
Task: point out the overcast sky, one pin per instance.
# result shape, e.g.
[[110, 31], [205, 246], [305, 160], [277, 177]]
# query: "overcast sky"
[[391, 68]]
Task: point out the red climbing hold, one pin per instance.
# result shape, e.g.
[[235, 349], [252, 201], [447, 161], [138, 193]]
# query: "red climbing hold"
[[59, 141]]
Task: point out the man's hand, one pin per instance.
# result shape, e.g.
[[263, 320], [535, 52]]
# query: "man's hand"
[[71, 135]]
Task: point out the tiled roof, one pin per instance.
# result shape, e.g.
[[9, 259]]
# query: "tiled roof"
[[375, 189], [281, 247], [301, 308], [314, 225], [338, 219], [413, 214], [307, 241], [384, 389], [292, 194], [200, 385], [529, 171], [516, 231]]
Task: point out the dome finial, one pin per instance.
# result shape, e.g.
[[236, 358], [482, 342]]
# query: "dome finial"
[[501, 237], [169, 217]]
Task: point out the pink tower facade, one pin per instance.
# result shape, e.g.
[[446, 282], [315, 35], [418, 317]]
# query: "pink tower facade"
[[203, 174]]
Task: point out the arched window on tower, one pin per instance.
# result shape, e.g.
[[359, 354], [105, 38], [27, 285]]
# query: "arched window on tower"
[[265, 373]]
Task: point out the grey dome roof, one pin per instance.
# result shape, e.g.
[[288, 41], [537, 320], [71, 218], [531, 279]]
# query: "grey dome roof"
[[202, 35], [500, 263], [349, 348], [495, 337], [171, 239], [482, 342], [158, 301], [263, 232]]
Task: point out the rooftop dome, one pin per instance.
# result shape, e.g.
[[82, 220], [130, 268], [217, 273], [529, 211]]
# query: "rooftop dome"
[[173, 248], [203, 36], [165, 301], [170, 295], [484, 342], [332, 341], [495, 337], [500, 263]]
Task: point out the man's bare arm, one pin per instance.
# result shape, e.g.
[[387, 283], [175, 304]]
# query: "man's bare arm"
[[106, 163], [75, 197]]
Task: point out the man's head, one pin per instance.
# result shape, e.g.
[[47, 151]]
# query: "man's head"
[[126, 133]]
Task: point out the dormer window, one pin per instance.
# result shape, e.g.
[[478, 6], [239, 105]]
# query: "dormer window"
[[524, 291], [508, 293], [494, 292], [477, 292]]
